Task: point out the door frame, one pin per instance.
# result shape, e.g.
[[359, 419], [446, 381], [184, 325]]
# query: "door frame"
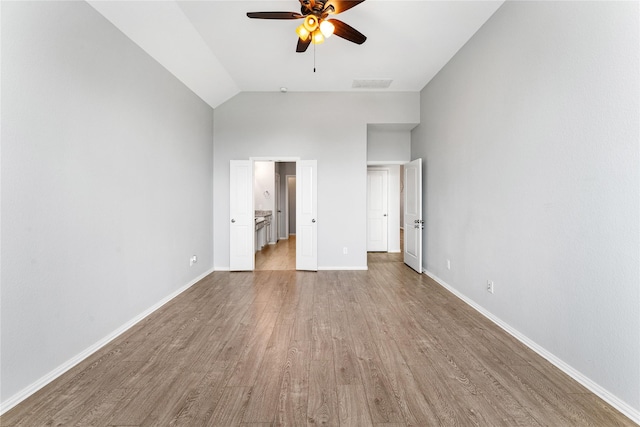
[[393, 210]]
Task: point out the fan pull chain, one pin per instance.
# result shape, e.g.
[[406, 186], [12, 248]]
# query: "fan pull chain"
[[314, 57]]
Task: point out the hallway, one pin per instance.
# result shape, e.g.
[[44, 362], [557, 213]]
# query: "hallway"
[[281, 256]]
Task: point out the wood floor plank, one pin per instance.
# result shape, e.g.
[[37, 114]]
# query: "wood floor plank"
[[246, 367], [415, 408], [264, 400], [322, 406], [352, 406], [279, 256], [94, 382], [476, 375], [385, 347], [102, 413], [344, 356], [165, 407], [598, 412], [236, 336], [322, 343], [198, 406], [304, 310], [294, 392], [230, 409], [383, 406]]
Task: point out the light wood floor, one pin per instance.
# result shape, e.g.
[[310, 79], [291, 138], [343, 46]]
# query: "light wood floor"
[[281, 256], [384, 347]]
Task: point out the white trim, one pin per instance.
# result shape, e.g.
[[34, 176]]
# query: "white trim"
[[283, 159], [359, 268], [43, 381], [385, 163], [227, 268], [598, 390]]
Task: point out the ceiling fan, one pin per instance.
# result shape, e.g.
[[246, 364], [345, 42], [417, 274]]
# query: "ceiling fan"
[[316, 27]]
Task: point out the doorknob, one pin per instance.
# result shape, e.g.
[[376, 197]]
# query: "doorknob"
[[313, 220], [233, 220]]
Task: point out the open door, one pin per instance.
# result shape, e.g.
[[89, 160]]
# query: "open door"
[[306, 215], [242, 226], [413, 215]]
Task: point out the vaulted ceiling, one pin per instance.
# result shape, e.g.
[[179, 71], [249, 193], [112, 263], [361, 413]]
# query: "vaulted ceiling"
[[214, 49]]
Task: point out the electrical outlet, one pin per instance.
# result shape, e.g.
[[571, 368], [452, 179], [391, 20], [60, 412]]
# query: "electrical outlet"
[[448, 264], [490, 286], [193, 260], [344, 250]]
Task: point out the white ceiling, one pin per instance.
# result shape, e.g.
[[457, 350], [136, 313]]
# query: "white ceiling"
[[213, 48]]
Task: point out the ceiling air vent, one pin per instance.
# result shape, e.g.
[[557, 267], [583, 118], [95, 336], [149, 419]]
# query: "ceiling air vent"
[[372, 84]]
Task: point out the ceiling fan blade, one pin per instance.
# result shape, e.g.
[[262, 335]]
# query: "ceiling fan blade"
[[347, 32], [274, 15], [303, 45], [340, 6]]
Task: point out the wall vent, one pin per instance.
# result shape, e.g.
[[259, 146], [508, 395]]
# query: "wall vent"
[[371, 83]]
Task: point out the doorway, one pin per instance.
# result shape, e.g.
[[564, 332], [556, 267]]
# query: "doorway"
[[280, 253], [242, 213], [377, 210], [383, 208]]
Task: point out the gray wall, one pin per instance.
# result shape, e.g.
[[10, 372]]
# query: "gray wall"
[[332, 130], [264, 180], [388, 146], [106, 186], [530, 142]]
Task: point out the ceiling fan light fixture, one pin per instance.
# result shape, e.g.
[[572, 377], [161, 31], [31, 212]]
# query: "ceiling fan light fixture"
[[303, 33], [327, 28], [317, 37], [310, 23]]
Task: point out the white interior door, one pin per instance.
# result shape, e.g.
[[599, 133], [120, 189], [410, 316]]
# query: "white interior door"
[[306, 215], [241, 216], [377, 210], [413, 215]]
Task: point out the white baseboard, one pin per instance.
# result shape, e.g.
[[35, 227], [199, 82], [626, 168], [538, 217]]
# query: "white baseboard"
[[359, 268], [37, 385], [611, 399]]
